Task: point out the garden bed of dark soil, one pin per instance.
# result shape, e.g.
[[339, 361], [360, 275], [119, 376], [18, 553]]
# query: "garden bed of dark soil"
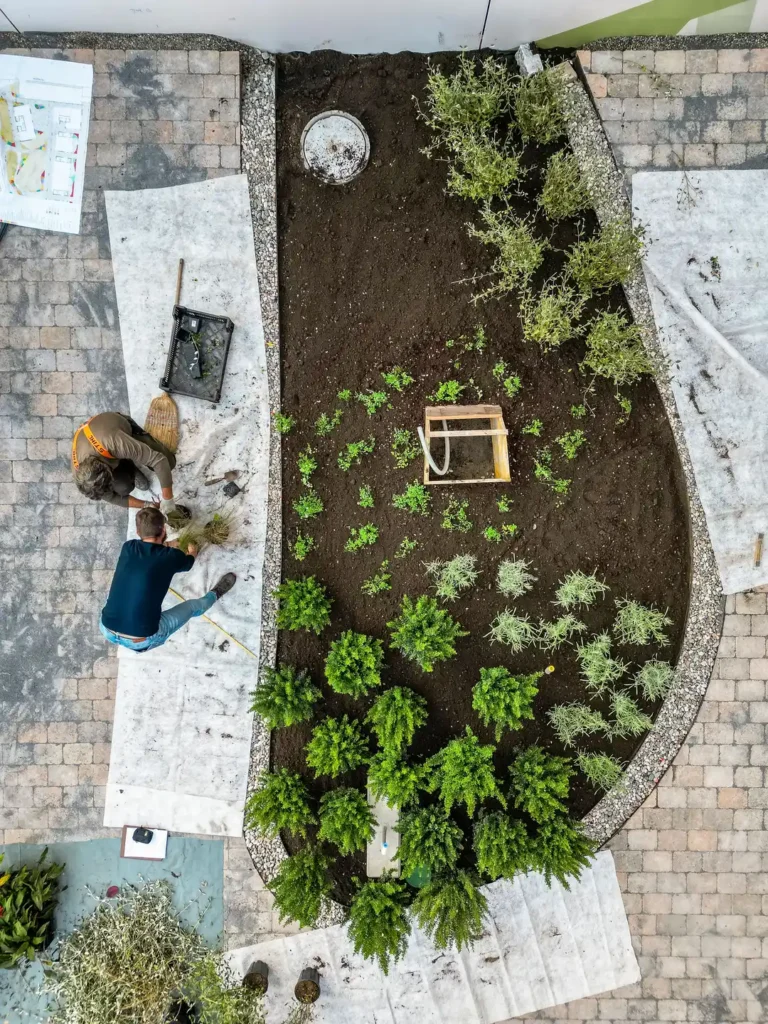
[[371, 276]]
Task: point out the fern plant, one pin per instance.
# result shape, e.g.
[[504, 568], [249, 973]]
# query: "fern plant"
[[598, 668], [628, 719], [337, 746], [424, 632], [301, 885], [515, 631], [538, 106], [655, 679], [565, 193], [395, 716], [281, 803], [552, 635], [635, 623], [501, 846], [504, 699], [602, 771], [353, 665], [285, 697], [450, 910], [513, 578], [560, 850], [414, 499], [609, 258], [452, 577], [428, 839], [379, 924], [302, 604], [395, 780], [550, 316], [578, 588], [571, 721], [463, 773], [346, 820], [540, 783]]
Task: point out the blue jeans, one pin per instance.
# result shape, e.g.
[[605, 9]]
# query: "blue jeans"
[[170, 622]]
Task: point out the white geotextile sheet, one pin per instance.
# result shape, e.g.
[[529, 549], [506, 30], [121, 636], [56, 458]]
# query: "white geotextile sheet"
[[706, 266], [541, 947], [182, 731]]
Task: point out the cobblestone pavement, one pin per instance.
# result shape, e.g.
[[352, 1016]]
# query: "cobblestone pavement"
[[159, 117]]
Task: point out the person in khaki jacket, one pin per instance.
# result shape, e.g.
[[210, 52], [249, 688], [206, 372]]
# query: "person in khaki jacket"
[[111, 454]]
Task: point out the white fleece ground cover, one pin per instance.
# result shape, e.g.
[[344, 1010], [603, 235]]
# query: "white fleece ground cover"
[[542, 947], [182, 731], [706, 266]]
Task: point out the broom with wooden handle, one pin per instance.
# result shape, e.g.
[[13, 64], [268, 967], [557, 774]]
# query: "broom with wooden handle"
[[162, 420]]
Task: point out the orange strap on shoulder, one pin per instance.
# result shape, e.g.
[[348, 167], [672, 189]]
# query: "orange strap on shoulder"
[[94, 441]]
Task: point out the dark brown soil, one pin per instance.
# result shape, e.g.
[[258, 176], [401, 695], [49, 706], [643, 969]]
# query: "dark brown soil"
[[371, 275]]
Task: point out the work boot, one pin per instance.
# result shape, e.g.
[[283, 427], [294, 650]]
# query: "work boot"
[[225, 584], [140, 482]]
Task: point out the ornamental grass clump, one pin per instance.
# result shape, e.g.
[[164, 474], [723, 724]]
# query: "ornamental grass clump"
[[636, 623], [560, 850], [281, 803], [415, 499], [353, 665], [470, 99], [395, 716], [602, 771], [520, 252], [428, 839], [28, 898], [655, 679], [515, 631], [346, 820], [538, 106], [550, 317], [552, 635], [628, 719], [572, 721], [301, 885], [615, 350], [504, 700], [540, 783], [483, 168], [337, 746], [463, 773], [513, 578], [395, 780], [598, 668], [565, 193], [285, 697], [379, 923], [451, 910], [424, 632], [452, 577], [303, 604], [501, 846], [608, 259], [579, 589]]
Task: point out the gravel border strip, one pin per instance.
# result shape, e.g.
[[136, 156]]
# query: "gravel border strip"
[[707, 604], [729, 41]]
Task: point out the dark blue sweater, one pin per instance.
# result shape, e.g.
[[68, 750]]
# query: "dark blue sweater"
[[142, 577]]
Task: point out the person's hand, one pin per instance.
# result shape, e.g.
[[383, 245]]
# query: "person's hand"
[[155, 503], [192, 549], [167, 505]]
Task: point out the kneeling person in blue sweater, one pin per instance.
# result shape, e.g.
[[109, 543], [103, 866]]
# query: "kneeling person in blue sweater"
[[133, 615]]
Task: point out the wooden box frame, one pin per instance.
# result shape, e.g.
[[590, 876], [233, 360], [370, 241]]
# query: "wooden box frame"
[[497, 432]]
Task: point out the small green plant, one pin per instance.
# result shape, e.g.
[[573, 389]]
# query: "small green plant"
[[28, 898], [362, 537], [501, 846], [472, 98], [602, 771], [415, 499], [365, 497], [578, 589], [560, 850], [302, 546], [301, 885], [398, 379], [455, 516], [579, 411], [615, 350], [395, 780], [282, 423], [552, 635], [463, 773], [379, 582], [346, 820], [447, 392], [626, 409], [284, 697], [428, 839], [503, 699], [302, 604], [405, 547], [542, 470], [550, 317], [345, 395], [379, 924], [452, 577], [307, 465], [513, 578], [655, 679], [353, 453], [571, 442], [514, 631], [520, 253], [504, 504], [353, 665], [405, 447], [538, 107], [493, 535], [598, 668], [541, 783], [565, 193], [509, 381], [424, 632], [281, 803], [571, 721], [337, 746], [609, 258], [636, 623], [451, 910], [325, 424], [395, 716], [372, 401], [628, 719], [483, 167], [535, 428], [308, 505]]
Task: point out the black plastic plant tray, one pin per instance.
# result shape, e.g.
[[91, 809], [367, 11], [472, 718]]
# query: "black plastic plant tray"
[[212, 338]]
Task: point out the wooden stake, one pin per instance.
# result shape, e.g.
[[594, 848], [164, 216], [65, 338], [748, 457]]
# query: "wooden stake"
[[758, 550], [178, 282]]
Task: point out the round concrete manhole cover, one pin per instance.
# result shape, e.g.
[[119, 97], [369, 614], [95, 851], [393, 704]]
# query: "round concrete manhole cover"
[[335, 147]]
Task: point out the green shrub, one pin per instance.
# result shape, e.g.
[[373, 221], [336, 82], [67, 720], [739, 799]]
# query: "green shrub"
[[520, 253], [308, 505], [552, 635], [578, 589], [395, 716], [365, 497], [398, 379], [424, 632], [615, 350], [344, 395], [473, 97], [492, 535], [354, 663], [598, 668], [302, 604], [538, 106], [405, 547], [451, 911], [540, 783], [353, 452], [428, 839], [534, 428], [628, 719], [463, 773], [636, 623], [415, 499], [285, 697], [609, 258], [281, 803], [501, 846], [565, 193], [504, 699], [362, 537], [307, 464], [455, 516], [325, 424], [447, 392], [346, 820], [513, 578], [379, 924], [302, 546], [515, 631], [372, 401], [570, 721], [560, 850], [483, 168], [395, 780], [301, 885], [379, 582], [28, 898], [337, 746], [571, 442], [550, 316], [405, 447], [601, 770], [655, 679], [282, 423], [453, 576]]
